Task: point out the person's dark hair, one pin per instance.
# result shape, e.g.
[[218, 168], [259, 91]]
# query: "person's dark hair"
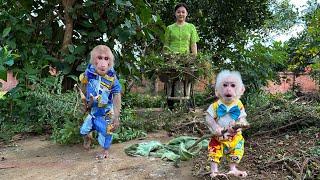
[[180, 5]]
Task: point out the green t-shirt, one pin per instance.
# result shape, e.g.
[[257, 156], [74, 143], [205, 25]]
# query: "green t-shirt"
[[178, 39]]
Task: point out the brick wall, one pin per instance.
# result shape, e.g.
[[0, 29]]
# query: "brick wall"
[[304, 81], [287, 81]]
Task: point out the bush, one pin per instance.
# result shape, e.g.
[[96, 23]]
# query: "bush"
[[143, 101], [40, 111], [45, 110]]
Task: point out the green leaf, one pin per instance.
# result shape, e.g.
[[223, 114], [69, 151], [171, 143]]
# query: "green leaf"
[[48, 31], [9, 62], [86, 24], [128, 3], [3, 73], [66, 69], [6, 32], [124, 36], [12, 43], [102, 25], [119, 2], [26, 4], [151, 36], [96, 15], [79, 50], [145, 15], [138, 20], [71, 48], [75, 78], [88, 3], [93, 35], [70, 58], [34, 51], [155, 18], [50, 58], [30, 70]]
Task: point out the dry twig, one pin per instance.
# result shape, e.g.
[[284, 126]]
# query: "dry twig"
[[293, 172], [279, 128], [187, 124], [199, 140], [305, 162], [277, 161]]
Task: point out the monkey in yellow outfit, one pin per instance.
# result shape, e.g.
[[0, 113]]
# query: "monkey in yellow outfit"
[[222, 116]]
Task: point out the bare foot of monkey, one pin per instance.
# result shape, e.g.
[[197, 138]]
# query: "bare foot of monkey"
[[217, 174], [87, 139], [103, 155], [238, 173]]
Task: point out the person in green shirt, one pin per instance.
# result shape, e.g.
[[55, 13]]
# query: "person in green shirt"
[[181, 37]]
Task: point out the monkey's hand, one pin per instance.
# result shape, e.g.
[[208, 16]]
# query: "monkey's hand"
[[84, 107], [219, 131], [92, 99], [242, 123], [240, 126]]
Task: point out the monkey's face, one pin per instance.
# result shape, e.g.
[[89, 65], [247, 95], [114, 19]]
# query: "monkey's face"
[[102, 62], [229, 90], [102, 68]]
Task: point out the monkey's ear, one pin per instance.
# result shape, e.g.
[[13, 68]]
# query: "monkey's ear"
[[242, 90], [216, 92]]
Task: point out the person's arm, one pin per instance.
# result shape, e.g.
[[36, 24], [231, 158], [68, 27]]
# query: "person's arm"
[[194, 49], [116, 110], [193, 40], [166, 43]]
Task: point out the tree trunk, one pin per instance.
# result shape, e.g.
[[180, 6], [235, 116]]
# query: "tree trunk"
[[67, 39]]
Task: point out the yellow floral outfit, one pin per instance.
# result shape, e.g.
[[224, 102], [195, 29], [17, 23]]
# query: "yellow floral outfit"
[[232, 147]]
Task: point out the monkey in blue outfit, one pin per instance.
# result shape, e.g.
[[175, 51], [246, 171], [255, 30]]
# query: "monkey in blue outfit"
[[103, 99]]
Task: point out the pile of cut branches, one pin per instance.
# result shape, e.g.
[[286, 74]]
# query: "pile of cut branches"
[[179, 66]]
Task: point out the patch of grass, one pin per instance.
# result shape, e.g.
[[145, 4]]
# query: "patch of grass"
[[135, 100]]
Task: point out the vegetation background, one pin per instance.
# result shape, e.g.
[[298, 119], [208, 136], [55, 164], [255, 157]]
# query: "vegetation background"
[[39, 34]]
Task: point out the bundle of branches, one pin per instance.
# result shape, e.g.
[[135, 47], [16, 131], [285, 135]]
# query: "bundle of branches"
[[179, 66]]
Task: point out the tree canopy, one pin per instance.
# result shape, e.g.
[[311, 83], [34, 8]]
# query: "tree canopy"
[[40, 33]]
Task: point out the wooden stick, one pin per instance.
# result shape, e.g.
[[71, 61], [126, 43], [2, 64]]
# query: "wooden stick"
[[83, 98], [277, 161], [305, 162], [279, 128], [237, 126], [297, 176], [199, 140], [7, 166], [187, 123]]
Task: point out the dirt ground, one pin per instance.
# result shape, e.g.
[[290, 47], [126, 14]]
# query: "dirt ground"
[[38, 158], [283, 156]]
